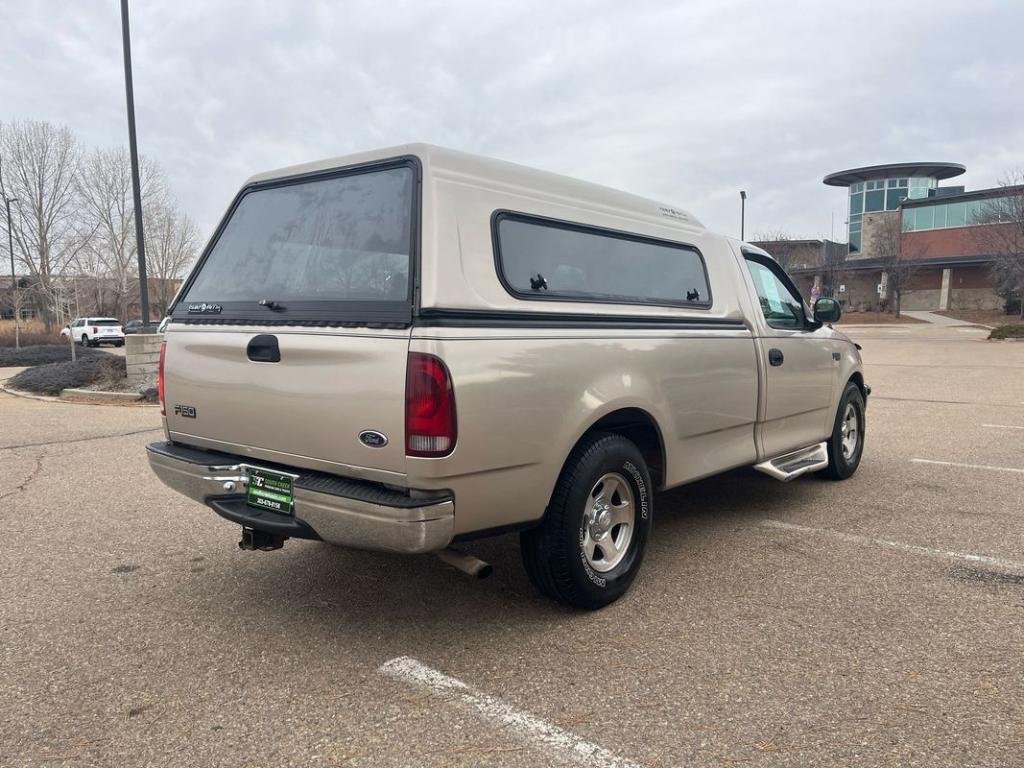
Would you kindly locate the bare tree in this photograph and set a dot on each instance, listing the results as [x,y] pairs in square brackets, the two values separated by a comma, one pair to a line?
[1004,239]
[833,261]
[900,261]
[41,163]
[172,244]
[105,187]
[778,243]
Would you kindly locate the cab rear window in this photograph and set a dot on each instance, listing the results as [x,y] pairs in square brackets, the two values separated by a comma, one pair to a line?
[545,259]
[105,322]
[338,244]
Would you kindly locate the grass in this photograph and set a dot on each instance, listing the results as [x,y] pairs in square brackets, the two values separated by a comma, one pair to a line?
[50,379]
[42,354]
[32,334]
[1008,332]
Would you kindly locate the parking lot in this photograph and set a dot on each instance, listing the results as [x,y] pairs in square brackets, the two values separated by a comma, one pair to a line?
[878,621]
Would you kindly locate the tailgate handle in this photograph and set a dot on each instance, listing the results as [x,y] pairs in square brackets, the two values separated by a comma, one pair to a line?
[264,349]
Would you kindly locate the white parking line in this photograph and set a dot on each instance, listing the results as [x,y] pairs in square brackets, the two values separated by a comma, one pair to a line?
[1002,426]
[969,466]
[544,734]
[913,549]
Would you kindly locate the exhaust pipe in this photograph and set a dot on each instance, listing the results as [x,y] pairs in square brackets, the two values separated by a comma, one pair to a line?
[468,564]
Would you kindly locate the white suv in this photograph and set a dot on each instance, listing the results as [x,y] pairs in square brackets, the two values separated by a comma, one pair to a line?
[93,331]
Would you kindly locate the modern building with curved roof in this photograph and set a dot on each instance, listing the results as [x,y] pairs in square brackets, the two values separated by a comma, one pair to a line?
[875,188]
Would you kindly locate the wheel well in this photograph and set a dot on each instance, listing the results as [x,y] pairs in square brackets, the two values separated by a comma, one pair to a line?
[638,427]
[858,379]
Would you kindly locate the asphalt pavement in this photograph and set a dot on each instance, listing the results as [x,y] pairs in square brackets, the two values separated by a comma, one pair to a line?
[877,621]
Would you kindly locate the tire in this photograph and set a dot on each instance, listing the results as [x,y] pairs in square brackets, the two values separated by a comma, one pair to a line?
[85,341]
[118,343]
[563,556]
[844,460]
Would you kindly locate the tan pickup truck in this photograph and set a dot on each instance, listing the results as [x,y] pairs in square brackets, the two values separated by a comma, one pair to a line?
[413,347]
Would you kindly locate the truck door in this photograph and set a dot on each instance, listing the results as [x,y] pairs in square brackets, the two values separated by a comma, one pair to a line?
[797,359]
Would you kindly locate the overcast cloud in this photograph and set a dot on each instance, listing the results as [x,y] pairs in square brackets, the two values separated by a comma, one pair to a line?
[686,102]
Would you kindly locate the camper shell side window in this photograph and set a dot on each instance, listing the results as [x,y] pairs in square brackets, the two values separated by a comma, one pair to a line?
[547,259]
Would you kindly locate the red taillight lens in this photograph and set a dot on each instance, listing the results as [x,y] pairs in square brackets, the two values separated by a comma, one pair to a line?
[160,378]
[95,330]
[429,407]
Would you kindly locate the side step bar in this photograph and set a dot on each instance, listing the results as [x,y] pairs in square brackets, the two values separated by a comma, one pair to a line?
[790,465]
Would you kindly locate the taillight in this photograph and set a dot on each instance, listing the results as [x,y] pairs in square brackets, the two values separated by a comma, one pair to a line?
[429,407]
[160,378]
[95,330]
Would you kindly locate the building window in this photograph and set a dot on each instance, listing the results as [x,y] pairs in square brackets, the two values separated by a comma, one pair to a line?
[857,203]
[855,242]
[893,198]
[874,200]
[967,213]
[956,214]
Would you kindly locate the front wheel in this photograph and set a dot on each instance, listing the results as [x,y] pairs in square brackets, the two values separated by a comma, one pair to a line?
[846,445]
[590,546]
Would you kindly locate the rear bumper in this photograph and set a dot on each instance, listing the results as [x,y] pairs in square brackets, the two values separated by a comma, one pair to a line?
[348,513]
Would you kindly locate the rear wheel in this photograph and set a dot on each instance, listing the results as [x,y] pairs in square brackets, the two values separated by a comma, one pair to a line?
[85,340]
[590,546]
[846,445]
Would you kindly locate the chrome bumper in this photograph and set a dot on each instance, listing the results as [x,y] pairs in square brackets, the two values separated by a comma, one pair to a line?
[409,528]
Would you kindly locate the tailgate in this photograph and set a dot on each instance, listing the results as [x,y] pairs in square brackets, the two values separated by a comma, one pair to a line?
[290,337]
[308,409]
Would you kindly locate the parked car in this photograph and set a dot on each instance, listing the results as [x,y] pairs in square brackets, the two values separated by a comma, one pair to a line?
[93,331]
[407,348]
[137,326]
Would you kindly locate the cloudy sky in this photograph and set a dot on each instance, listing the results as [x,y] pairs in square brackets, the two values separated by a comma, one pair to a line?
[687,102]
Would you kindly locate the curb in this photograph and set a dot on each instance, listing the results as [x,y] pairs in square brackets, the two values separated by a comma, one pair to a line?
[83,401]
[93,394]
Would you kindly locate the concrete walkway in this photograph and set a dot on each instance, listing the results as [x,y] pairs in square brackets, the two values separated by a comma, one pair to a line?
[934,319]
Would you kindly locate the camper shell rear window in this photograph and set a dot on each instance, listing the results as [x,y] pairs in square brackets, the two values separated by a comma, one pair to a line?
[539,258]
[336,247]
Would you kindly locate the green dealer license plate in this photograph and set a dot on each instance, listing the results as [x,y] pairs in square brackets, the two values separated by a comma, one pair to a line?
[270,490]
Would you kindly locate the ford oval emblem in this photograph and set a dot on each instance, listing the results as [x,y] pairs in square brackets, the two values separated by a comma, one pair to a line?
[373,438]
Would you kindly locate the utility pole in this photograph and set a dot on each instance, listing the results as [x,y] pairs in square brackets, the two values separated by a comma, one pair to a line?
[743,213]
[14,278]
[134,150]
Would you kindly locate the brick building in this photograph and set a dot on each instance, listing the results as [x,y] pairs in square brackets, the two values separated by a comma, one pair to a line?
[946,235]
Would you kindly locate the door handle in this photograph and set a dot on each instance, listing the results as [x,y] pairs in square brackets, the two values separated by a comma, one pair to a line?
[264,349]
[775,357]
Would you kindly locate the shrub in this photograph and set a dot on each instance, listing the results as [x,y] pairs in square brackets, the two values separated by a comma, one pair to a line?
[40,355]
[1007,332]
[51,379]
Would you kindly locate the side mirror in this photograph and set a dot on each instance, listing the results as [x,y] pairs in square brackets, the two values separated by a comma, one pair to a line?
[827,310]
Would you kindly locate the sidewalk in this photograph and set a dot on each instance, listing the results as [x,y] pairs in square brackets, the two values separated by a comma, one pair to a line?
[934,319]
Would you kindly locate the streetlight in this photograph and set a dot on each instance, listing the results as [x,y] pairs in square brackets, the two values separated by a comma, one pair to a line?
[14,279]
[743,213]
[134,151]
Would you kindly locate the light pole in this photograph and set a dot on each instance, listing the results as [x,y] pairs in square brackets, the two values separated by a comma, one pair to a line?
[743,213]
[134,151]
[14,279]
